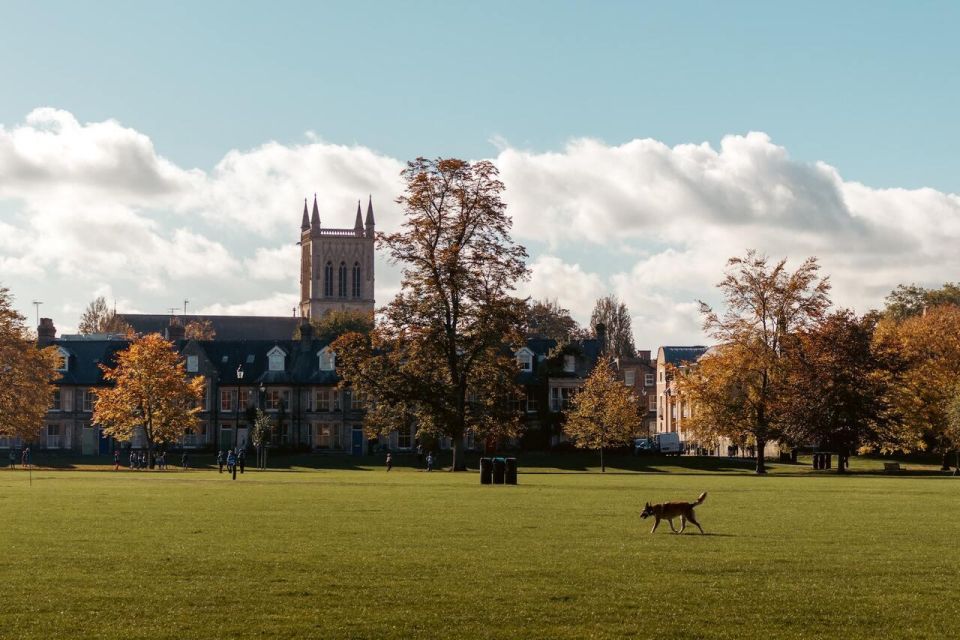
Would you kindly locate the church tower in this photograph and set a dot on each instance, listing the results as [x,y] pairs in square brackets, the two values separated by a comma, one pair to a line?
[336,265]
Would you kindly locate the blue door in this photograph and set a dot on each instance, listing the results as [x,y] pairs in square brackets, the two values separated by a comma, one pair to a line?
[106,444]
[357,448]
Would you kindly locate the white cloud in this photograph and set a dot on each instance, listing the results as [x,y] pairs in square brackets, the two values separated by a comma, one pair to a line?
[95,203]
[278,304]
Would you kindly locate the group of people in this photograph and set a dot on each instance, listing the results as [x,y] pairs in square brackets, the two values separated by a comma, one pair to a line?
[234,459]
[429,459]
[24,457]
[140,460]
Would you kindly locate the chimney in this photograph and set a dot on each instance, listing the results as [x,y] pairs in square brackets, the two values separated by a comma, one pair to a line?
[175,330]
[644,355]
[46,332]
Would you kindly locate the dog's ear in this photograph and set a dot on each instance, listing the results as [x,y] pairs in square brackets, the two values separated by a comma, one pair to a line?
[647,505]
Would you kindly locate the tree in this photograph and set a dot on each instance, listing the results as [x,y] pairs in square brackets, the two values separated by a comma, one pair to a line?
[613,314]
[199,330]
[605,413]
[547,319]
[910,300]
[835,391]
[766,306]
[150,393]
[924,356]
[953,426]
[260,436]
[438,356]
[26,372]
[336,323]
[99,318]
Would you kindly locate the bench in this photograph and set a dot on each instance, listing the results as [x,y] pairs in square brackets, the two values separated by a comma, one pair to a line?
[892,467]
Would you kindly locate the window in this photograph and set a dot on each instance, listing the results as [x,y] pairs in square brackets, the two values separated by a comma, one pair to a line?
[531,401]
[404,439]
[328,279]
[324,439]
[357,400]
[661,376]
[328,360]
[276,357]
[275,398]
[246,398]
[55,439]
[648,379]
[525,360]
[89,397]
[342,280]
[356,280]
[63,359]
[323,400]
[652,403]
[56,401]
[193,364]
[560,398]
[226,399]
[629,377]
[569,364]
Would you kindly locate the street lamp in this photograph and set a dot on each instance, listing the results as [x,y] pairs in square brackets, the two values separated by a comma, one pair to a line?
[236,427]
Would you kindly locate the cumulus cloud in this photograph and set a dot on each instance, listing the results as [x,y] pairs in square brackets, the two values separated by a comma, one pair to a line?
[654,224]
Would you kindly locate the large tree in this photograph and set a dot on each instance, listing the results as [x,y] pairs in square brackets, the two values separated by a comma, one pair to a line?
[438,359]
[924,355]
[337,322]
[26,373]
[611,312]
[909,300]
[766,306]
[151,393]
[547,319]
[99,318]
[835,388]
[605,413]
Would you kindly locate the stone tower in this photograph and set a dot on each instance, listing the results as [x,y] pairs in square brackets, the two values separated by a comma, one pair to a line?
[336,265]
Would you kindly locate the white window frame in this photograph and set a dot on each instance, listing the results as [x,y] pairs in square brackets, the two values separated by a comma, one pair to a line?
[629,377]
[648,380]
[652,403]
[327,360]
[64,360]
[193,364]
[569,363]
[524,359]
[276,359]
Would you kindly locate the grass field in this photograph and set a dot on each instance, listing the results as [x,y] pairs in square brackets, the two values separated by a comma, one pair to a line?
[359,553]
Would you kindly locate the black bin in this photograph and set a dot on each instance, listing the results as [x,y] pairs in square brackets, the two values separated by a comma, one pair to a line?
[486,471]
[511,471]
[499,470]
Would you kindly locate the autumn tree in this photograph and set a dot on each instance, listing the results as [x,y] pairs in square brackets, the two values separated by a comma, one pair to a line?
[835,391]
[924,352]
[438,358]
[338,322]
[953,426]
[605,413]
[909,300]
[611,312]
[99,318]
[547,319]
[27,373]
[766,306]
[200,329]
[150,394]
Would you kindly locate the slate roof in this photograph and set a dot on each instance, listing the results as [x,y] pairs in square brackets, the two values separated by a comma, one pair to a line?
[84,358]
[226,327]
[677,355]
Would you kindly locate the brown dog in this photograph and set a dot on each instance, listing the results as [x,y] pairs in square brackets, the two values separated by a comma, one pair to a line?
[670,510]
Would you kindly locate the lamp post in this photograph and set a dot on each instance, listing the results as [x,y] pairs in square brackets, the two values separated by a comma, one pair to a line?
[236,427]
[262,453]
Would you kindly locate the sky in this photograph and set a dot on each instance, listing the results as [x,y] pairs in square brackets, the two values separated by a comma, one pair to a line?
[157,153]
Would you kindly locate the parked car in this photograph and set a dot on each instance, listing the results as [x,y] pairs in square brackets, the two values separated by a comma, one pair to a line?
[643,445]
[668,444]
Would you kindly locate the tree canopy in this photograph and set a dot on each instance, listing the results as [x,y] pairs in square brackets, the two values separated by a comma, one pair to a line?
[150,392]
[438,358]
[611,312]
[547,319]
[26,372]
[99,318]
[909,300]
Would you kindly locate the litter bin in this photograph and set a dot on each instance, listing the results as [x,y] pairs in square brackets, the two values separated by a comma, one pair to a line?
[486,471]
[511,471]
[499,470]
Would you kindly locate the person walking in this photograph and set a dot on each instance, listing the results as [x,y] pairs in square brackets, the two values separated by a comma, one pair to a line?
[25,458]
[220,457]
[116,459]
[242,459]
[389,462]
[185,461]
[232,463]
[430,461]
[13,458]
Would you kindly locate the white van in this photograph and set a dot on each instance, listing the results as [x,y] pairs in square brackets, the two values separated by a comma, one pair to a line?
[667,443]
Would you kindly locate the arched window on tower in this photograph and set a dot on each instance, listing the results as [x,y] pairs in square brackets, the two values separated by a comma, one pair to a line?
[328,279]
[342,280]
[356,279]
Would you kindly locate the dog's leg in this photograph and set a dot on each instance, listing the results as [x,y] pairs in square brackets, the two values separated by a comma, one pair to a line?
[694,521]
[656,523]
[670,520]
[683,524]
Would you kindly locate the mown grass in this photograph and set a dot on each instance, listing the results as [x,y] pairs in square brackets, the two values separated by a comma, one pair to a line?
[359,553]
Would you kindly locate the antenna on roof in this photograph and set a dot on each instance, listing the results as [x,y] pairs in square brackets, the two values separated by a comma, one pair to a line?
[185,301]
[37,303]
[172,310]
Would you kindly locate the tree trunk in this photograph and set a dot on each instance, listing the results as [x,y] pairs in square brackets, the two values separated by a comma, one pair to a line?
[761,445]
[603,466]
[841,460]
[459,455]
[945,466]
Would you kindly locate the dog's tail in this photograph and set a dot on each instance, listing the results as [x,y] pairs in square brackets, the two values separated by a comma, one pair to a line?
[703,496]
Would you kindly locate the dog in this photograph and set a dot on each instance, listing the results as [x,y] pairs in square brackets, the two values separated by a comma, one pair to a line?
[670,510]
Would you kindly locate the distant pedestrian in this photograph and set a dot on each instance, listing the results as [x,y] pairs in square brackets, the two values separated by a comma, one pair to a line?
[116,459]
[13,457]
[132,459]
[220,458]
[185,461]
[389,461]
[25,458]
[242,459]
[232,463]
[429,462]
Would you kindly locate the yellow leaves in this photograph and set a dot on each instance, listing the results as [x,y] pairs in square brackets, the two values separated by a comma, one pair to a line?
[605,412]
[151,390]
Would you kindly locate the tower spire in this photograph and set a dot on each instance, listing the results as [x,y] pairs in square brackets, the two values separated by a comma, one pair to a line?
[315,218]
[358,225]
[305,225]
[370,223]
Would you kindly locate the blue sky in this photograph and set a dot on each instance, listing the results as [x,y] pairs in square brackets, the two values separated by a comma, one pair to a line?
[623,130]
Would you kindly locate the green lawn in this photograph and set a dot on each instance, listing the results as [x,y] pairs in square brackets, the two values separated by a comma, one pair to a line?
[359,553]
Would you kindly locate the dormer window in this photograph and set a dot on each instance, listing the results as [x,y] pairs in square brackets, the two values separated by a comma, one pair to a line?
[328,359]
[276,358]
[569,364]
[63,360]
[525,359]
[193,364]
